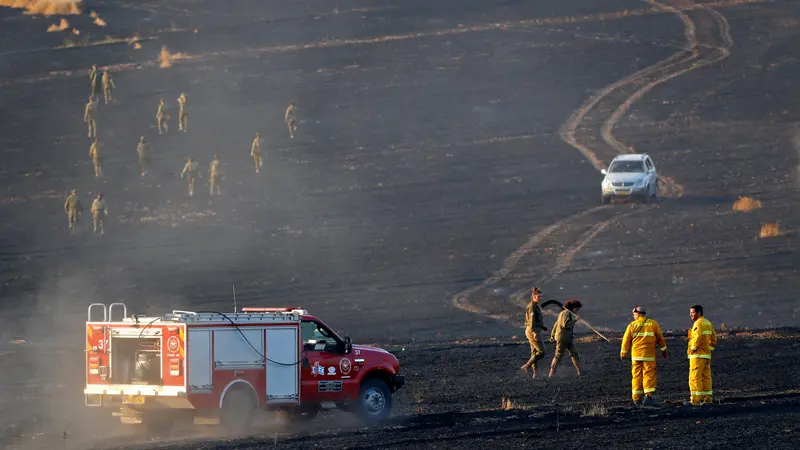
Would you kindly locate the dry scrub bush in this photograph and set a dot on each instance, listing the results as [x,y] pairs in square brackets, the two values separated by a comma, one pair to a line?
[746,204]
[595,410]
[506,404]
[769,230]
[61,26]
[45,7]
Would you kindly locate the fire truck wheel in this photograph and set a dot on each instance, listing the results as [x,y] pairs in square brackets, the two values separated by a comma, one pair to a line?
[374,401]
[237,411]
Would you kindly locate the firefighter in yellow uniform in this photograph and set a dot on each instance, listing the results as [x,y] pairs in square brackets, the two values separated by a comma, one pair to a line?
[88,117]
[702,342]
[73,207]
[192,169]
[215,175]
[534,325]
[96,154]
[641,339]
[99,214]
[108,85]
[183,116]
[563,336]
[255,152]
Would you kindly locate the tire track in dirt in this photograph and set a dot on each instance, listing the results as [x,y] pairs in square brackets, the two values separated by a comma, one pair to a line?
[713,45]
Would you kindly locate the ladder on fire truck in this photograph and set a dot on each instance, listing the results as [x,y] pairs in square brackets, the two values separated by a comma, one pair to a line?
[107,311]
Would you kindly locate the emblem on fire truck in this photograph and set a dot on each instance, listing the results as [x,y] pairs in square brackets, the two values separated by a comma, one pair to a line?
[173,344]
[316,369]
[345,366]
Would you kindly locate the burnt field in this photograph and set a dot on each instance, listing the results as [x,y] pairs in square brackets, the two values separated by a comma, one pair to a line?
[446,159]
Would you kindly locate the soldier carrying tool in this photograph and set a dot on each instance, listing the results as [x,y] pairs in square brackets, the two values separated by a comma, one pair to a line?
[74,208]
[255,152]
[563,336]
[192,169]
[94,78]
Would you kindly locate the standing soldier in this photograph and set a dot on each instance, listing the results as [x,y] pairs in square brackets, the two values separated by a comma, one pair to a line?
[73,207]
[183,116]
[88,117]
[108,85]
[96,153]
[144,150]
[162,117]
[563,336]
[291,117]
[215,175]
[534,325]
[255,152]
[94,78]
[192,169]
[702,342]
[641,338]
[99,214]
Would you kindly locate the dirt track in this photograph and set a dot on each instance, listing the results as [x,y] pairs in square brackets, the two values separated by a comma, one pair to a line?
[445,161]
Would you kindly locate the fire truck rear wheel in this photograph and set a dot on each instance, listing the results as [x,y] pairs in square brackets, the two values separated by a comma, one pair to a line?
[374,401]
[237,411]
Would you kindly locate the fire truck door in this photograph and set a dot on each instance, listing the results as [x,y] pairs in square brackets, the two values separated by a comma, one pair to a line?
[322,377]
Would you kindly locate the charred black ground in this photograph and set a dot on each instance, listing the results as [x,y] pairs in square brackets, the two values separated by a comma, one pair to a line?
[415,203]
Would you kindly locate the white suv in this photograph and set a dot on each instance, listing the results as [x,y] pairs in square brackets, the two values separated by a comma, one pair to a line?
[631,177]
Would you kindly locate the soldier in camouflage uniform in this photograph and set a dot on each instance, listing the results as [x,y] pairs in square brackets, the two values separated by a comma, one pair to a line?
[94,78]
[145,151]
[291,118]
[96,153]
[88,117]
[534,325]
[162,117]
[215,175]
[192,169]
[255,152]
[99,214]
[563,336]
[73,207]
[108,85]
[183,116]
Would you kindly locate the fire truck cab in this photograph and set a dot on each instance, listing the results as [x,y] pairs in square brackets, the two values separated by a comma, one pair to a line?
[218,368]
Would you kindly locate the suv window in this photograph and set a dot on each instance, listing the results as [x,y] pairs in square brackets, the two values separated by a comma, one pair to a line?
[648,164]
[626,166]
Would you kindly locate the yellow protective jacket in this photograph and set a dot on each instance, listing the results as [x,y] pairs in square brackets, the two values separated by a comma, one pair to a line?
[641,338]
[702,339]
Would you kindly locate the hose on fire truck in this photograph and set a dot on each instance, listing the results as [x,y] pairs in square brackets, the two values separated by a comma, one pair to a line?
[264,357]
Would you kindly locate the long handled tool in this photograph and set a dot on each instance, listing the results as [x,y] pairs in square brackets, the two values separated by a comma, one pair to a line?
[556,302]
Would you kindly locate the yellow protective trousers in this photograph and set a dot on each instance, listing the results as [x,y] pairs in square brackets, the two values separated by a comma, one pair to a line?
[700,380]
[643,379]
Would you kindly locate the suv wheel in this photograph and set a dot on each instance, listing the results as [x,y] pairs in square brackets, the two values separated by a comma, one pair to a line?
[374,401]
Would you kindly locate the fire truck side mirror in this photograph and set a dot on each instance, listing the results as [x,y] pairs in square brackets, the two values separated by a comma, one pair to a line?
[348,345]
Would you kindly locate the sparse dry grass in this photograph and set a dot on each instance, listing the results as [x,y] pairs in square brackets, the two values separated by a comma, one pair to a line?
[45,7]
[595,410]
[746,204]
[60,26]
[769,230]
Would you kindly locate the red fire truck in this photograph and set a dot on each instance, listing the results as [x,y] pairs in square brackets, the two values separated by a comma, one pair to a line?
[218,368]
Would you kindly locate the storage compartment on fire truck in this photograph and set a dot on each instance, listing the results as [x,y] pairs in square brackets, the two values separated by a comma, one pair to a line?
[135,360]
